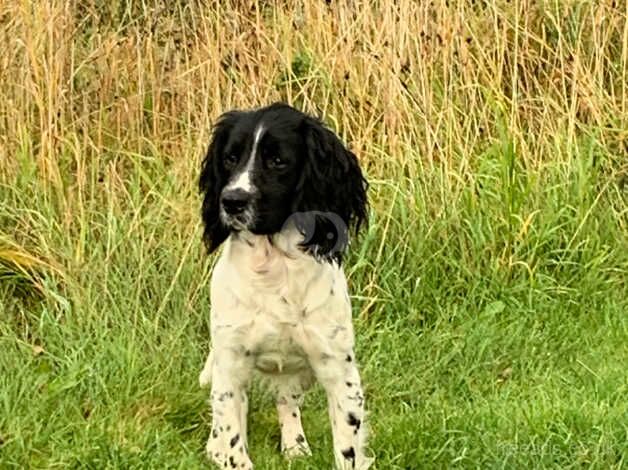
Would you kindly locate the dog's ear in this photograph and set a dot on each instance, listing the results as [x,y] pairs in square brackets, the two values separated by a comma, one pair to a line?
[212,180]
[331,195]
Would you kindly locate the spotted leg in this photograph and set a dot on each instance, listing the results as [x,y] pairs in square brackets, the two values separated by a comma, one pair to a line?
[341,380]
[227,445]
[290,390]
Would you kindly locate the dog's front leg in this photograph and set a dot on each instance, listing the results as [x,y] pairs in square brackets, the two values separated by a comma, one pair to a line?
[227,444]
[341,380]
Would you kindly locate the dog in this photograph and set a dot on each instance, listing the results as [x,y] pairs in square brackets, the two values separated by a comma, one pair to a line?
[282,193]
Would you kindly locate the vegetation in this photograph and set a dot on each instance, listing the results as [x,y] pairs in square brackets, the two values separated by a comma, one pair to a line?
[490,289]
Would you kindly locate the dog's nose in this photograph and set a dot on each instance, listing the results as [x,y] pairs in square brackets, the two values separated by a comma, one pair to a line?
[235,201]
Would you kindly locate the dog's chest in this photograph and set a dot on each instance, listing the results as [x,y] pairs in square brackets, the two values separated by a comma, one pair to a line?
[274,300]
[274,333]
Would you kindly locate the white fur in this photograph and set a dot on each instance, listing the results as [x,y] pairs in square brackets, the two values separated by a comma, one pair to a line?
[283,313]
[243,180]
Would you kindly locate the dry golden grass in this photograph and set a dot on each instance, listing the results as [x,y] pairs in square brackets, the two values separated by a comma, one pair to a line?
[417,81]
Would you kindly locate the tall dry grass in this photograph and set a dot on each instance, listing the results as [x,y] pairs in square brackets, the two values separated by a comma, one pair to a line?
[96,78]
[93,92]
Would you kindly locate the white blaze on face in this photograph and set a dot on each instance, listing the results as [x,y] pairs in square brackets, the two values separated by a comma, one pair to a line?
[243,180]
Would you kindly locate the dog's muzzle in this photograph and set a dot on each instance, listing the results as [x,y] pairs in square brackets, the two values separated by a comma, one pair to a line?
[236,205]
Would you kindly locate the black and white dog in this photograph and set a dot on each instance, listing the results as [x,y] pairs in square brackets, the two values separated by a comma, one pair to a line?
[282,192]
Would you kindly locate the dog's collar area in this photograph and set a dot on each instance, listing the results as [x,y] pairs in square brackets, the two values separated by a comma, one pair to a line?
[287,242]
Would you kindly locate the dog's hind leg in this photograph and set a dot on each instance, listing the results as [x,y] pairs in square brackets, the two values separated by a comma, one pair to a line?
[290,389]
[205,378]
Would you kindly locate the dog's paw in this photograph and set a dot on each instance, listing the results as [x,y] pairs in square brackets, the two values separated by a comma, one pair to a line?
[361,463]
[296,451]
[232,458]
[364,463]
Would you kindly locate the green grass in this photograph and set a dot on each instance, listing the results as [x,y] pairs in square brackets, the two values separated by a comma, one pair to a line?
[490,289]
[478,347]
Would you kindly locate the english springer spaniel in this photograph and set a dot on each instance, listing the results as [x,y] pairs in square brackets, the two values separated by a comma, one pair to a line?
[282,193]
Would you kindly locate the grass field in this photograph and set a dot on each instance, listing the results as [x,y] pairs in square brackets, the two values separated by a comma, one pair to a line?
[490,289]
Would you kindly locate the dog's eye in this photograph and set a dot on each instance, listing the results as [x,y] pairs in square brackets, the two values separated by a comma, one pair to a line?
[230,159]
[276,162]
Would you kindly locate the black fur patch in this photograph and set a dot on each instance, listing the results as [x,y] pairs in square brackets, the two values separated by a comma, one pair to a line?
[353,421]
[301,168]
[349,454]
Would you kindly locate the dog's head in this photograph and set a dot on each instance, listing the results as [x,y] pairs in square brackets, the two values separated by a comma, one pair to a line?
[274,165]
